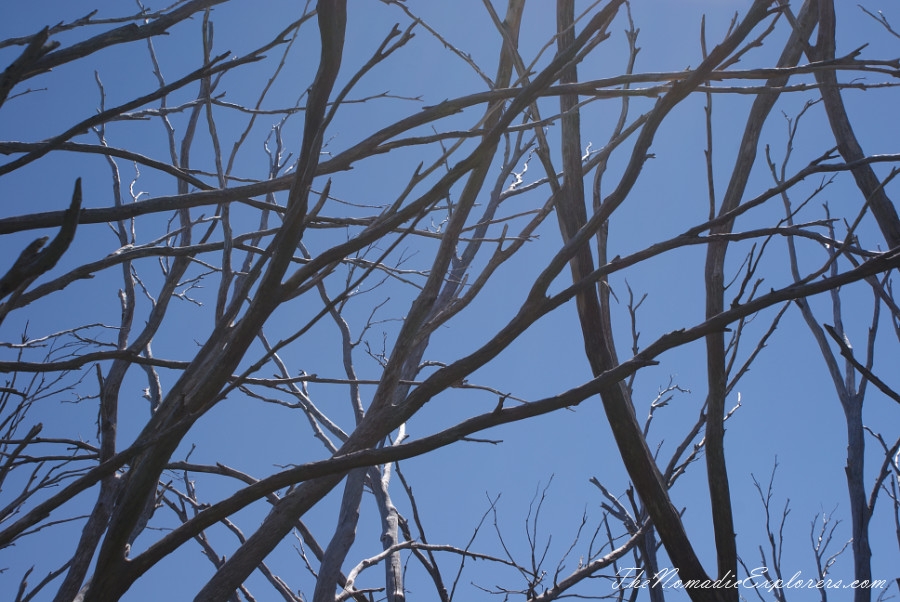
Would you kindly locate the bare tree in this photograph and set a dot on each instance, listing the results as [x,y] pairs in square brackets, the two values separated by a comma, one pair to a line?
[349,227]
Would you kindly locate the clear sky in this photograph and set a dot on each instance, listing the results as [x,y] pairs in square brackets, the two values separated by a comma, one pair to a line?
[789,409]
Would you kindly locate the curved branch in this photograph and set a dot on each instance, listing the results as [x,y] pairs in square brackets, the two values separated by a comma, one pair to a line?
[33,262]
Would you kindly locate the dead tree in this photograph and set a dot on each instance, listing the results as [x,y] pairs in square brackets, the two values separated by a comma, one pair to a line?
[370,222]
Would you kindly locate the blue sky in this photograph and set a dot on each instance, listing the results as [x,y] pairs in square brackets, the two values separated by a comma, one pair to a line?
[789,409]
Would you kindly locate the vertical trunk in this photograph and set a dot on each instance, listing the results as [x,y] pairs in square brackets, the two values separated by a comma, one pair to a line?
[717,378]
[390,535]
[638,459]
[886,216]
[343,537]
[859,506]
